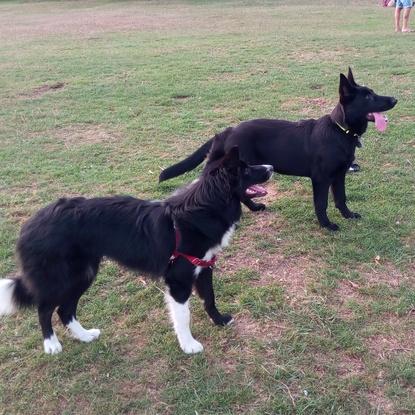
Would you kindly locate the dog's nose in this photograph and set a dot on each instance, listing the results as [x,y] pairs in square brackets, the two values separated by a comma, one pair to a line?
[394,101]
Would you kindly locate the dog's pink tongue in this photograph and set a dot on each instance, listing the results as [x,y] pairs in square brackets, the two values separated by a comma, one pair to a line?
[381,122]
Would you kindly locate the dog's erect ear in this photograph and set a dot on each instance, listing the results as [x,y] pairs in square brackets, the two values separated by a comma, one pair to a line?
[217,150]
[350,77]
[231,158]
[229,161]
[346,90]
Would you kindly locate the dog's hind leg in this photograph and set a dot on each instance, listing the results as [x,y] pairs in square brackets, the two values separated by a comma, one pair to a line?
[320,195]
[51,343]
[177,299]
[67,314]
[339,195]
[204,288]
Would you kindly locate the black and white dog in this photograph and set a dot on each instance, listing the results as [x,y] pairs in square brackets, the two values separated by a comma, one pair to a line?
[60,248]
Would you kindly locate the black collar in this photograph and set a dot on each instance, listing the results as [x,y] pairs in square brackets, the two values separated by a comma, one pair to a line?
[338,113]
[350,133]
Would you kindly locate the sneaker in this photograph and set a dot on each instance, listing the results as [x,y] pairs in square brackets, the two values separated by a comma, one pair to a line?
[354,167]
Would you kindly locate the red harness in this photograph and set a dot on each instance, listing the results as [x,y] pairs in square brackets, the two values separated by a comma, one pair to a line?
[197,262]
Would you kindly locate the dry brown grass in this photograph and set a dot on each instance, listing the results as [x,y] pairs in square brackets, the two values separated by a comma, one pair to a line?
[89,21]
[84,134]
[387,274]
[309,106]
[380,402]
[371,275]
[331,55]
[248,328]
[397,336]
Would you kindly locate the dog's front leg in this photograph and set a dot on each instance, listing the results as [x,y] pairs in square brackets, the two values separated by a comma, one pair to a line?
[177,298]
[339,194]
[204,288]
[251,205]
[320,194]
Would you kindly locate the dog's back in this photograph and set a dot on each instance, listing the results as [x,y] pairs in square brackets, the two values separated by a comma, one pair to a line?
[80,231]
[283,144]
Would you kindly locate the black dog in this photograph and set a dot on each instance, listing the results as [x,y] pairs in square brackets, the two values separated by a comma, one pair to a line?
[61,247]
[321,149]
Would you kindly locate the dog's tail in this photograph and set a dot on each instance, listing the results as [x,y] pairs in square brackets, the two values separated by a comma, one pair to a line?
[13,295]
[187,164]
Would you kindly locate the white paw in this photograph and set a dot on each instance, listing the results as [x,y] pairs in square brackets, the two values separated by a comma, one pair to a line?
[192,346]
[81,334]
[231,321]
[52,345]
[87,336]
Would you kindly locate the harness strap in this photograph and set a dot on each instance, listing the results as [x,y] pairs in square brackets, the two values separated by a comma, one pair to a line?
[197,262]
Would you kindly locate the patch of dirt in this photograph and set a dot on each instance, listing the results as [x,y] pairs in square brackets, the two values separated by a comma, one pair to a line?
[89,21]
[292,273]
[243,338]
[386,274]
[20,212]
[345,292]
[83,134]
[309,106]
[349,366]
[43,89]
[385,346]
[345,365]
[275,192]
[147,383]
[249,328]
[398,337]
[378,400]
[372,275]
[407,118]
[316,86]
[318,55]
[19,216]
[181,96]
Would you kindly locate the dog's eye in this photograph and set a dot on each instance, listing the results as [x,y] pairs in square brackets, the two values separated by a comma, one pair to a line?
[369,96]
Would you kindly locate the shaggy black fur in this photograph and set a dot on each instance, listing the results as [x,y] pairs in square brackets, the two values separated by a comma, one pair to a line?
[60,248]
[319,149]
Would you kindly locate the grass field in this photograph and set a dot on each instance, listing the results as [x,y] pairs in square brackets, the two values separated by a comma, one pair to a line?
[96,97]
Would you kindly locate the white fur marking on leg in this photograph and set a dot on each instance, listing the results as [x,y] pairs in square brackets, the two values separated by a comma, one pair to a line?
[180,315]
[52,345]
[78,332]
[7,305]
[226,238]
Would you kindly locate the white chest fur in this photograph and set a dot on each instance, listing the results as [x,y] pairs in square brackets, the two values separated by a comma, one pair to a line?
[226,238]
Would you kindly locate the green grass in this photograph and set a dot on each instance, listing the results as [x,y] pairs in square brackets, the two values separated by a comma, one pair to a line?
[324,322]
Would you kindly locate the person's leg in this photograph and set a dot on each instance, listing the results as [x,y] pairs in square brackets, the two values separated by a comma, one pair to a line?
[405,19]
[397,19]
